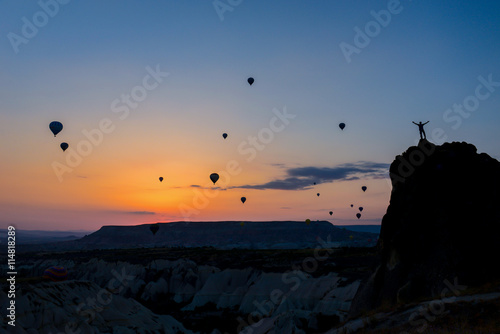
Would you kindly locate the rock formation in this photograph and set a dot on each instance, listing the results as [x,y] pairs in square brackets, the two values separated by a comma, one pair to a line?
[441,232]
[164,296]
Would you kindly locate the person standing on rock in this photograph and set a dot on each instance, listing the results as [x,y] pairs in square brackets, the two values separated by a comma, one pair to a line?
[421,129]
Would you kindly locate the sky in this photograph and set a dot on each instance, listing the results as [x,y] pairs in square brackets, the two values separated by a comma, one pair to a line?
[147,88]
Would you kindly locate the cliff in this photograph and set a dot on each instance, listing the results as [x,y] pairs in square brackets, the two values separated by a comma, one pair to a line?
[442,227]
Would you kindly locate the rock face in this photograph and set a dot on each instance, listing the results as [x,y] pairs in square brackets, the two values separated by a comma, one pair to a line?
[83,307]
[442,227]
[120,297]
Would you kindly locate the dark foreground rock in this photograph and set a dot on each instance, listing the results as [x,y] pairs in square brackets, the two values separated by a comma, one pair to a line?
[441,231]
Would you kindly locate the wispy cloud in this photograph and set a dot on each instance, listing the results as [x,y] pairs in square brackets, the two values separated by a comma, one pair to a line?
[209,188]
[279,165]
[141,213]
[133,212]
[304,177]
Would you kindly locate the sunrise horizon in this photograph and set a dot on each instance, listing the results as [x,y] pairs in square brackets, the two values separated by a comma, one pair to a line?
[311,100]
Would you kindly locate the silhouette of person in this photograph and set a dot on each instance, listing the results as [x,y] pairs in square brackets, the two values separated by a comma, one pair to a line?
[421,129]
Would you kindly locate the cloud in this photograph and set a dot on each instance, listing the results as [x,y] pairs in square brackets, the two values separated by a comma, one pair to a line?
[136,212]
[279,165]
[208,187]
[300,178]
[124,212]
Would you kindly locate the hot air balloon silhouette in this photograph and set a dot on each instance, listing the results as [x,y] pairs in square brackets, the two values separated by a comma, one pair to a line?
[55,127]
[154,228]
[161,178]
[358,215]
[314,183]
[360,209]
[243,200]
[352,205]
[250,81]
[308,221]
[342,126]
[331,213]
[224,135]
[317,194]
[363,188]
[214,177]
[56,274]
[64,146]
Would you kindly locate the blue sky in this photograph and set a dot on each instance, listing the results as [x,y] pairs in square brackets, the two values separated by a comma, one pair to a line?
[428,57]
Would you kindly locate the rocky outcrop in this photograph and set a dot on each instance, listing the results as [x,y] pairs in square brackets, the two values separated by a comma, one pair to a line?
[83,307]
[442,227]
[432,316]
[124,295]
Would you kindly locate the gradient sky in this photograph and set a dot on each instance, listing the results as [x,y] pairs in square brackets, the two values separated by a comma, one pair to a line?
[87,55]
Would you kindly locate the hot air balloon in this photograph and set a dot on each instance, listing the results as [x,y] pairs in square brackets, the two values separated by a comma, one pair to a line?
[360,209]
[55,127]
[358,215]
[308,221]
[352,205]
[314,183]
[243,200]
[331,213]
[55,274]
[64,146]
[161,178]
[342,126]
[214,177]
[154,228]
[224,135]
[364,188]
[317,194]
[250,80]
